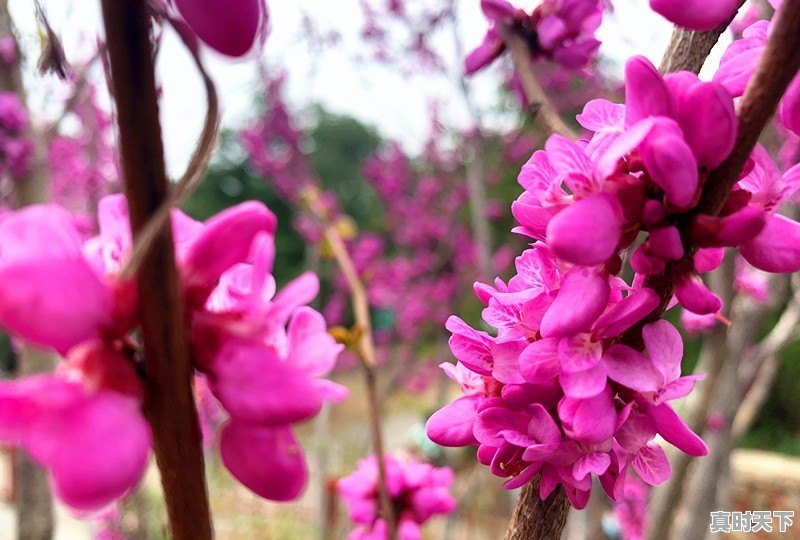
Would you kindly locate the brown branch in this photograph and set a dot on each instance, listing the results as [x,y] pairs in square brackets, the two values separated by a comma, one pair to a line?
[365,347]
[688,49]
[777,67]
[169,404]
[194,170]
[539,105]
[535,519]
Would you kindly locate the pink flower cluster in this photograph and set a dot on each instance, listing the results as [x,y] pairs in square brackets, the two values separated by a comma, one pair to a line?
[16,149]
[263,353]
[418,491]
[555,391]
[557,30]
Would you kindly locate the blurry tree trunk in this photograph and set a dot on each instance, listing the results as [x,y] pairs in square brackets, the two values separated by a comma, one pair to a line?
[713,354]
[702,487]
[476,166]
[169,402]
[33,501]
[476,188]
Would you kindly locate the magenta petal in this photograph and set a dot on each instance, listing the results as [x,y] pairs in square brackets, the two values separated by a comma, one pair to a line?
[298,292]
[452,424]
[54,303]
[588,231]
[789,110]
[646,93]
[651,464]
[680,387]
[693,295]
[579,352]
[257,387]
[708,259]
[506,361]
[589,420]
[671,164]
[665,242]
[470,347]
[708,121]
[665,348]
[596,463]
[103,448]
[581,299]
[542,428]
[689,14]
[627,312]
[484,54]
[492,421]
[776,248]
[731,230]
[311,348]
[675,431]
[584,384]
[229,26]
[268,461]
[631,368]
[539,361]
[601,114]
[226,240]
[498,10]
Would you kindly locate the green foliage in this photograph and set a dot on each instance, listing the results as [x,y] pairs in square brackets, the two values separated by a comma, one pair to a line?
[230,181]
[338,146]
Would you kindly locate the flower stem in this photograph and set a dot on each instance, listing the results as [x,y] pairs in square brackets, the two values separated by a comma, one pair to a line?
[169,403]
[365,349]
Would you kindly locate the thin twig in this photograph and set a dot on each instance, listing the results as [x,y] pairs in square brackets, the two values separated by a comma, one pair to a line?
[194,170]
[539,105]
[365,347]
[169,403]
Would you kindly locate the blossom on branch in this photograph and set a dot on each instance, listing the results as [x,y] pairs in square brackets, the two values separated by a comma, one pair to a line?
[264,354]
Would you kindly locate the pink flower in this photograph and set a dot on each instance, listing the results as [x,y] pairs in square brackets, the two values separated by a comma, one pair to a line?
[561,31]
[264,354]
[230,27]
[93,441]
[418,491]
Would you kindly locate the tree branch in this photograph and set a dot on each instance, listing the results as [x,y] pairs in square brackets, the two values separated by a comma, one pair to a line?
[539,105]
[536,519]
[365,347]
[688,49]
[778,65]
[169,403]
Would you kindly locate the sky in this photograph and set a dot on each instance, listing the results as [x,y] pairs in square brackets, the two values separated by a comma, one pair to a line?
[338,77]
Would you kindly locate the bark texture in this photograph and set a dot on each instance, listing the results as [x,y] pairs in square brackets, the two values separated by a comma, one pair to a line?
[169,402]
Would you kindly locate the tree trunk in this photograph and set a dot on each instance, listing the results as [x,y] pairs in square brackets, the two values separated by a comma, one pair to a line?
[535,519]
[34,503]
